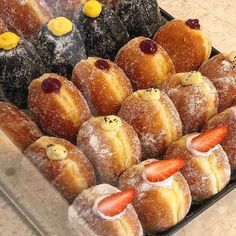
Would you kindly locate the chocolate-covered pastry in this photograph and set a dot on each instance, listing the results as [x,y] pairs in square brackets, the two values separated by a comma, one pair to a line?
[60,46]
[102,31]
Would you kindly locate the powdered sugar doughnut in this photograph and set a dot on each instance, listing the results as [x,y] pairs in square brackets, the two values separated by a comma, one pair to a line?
[3,27]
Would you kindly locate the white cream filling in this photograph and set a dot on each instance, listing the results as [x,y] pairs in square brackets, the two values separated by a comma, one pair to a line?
[167,183]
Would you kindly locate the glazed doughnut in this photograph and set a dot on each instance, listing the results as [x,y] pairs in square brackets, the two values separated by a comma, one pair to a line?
[155,119]
[103,84]
[87,219]
[55,43]
[185,43]
[145,63]
[3,27]
[228,118]
[207,168]
[63,109]
[63,164]
[221,70]
[25,17]
[17,126]
[195,98]
[111,145]
[160,204]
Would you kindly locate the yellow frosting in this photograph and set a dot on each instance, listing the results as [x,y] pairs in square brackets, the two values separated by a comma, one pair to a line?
[56,152]
[232,57]
[92,8]
[191,78]
[150,94]
[60,26]
[9,40]
[111,123]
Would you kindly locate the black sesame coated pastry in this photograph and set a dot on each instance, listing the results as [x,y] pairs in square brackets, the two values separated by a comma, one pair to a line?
[140,17]
[19,65]
[60,46]
[101,29]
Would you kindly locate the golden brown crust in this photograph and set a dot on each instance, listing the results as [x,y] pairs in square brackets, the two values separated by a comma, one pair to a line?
[187,48]
[222,73]
[84,220]
[103,90]
[157,123]
[227,117]
[110,154]
[206,176]
[25,17]
[17,126]
[195,103]
[60,114]
[144,70]
[71,175]
[158,208]
[3,27]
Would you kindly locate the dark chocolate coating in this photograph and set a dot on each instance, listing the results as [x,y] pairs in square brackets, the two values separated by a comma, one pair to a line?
[104,35]
[18,67]
[140,17]
[60,54]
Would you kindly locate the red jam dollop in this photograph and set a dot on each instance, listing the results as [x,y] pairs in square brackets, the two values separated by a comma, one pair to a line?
[193,24]
[148,46]
[102,64]
[51,85]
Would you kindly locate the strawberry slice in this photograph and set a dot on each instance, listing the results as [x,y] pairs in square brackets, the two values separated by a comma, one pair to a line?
[160,170]
[209,139]
[116,203]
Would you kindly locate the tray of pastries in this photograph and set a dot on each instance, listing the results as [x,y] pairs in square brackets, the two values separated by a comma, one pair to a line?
[115,118]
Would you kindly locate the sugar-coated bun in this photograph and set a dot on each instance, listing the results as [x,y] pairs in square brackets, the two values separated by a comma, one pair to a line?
[185,43]
[86,222]
[57,106]
[3,27]
[221,70]
[227,117]
[206,173]
[158,207]
[103,84]
[25,17]
[63,164]
[145,63]
[109,3]
[111,145]
[155,119]
[17,126]
[195,98]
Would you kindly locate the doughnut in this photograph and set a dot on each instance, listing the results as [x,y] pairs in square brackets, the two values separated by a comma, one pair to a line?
[3,27]
[25,17]
[18,126]
[56,42]
[63,164]
[155,119]
[101,29]
[185,42]
[228,118]
[195,98]
[103,210]
[221,70]
[145,63]
[207,168]
[103,84]
[109,3]
[63,109]
[111,145]
[19,65]
[163,196]
[140,17]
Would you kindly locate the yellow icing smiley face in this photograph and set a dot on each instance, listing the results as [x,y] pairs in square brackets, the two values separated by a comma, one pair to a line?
[8,41]
[92,8]
[150,94]
[191,78]
[56,152]
[111,123]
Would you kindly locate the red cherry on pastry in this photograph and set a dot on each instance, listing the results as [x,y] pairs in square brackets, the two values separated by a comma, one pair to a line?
[148,46]
[102,64]
[116,203]
[193,24]
[51,85]
[160,170]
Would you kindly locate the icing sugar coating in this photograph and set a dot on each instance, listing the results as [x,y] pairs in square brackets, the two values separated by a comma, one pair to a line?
[3,27]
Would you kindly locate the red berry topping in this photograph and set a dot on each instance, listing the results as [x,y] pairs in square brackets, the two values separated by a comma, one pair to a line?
[102,64]
[193,24]
[148,46]
[51,85]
